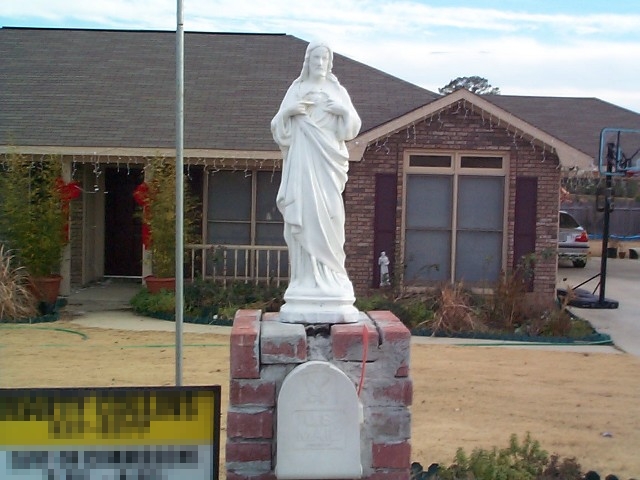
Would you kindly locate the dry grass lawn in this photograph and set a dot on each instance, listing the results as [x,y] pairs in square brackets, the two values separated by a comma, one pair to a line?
[463,396]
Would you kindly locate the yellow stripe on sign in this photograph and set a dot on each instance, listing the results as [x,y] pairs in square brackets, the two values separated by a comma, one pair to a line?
[184,421]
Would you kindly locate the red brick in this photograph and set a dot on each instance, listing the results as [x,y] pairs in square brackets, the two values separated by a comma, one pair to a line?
[347,341]
[399,392]
[391,328]
[250,425]
[243,451]
[390,424]
[253,392]
[235,475]
[404,474]
[270,316]
[391,455]
[245,351]
[395,336]
[286,352]
[282,343]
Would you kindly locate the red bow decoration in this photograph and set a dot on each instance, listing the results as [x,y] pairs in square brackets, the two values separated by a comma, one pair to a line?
[68,191]
[141,197]
[141,194]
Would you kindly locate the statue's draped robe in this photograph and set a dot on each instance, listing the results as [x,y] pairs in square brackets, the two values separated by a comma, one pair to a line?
[314,174]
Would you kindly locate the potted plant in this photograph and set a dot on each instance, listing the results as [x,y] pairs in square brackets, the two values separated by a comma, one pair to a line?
[158,199]
[34,212]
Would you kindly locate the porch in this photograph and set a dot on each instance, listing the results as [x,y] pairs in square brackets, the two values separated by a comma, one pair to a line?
[232,263]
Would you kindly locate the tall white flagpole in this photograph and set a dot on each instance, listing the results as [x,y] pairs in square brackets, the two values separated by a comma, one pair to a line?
[179,189]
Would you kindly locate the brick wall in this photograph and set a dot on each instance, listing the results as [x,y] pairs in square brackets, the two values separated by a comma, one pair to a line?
[264,351]
[452,129]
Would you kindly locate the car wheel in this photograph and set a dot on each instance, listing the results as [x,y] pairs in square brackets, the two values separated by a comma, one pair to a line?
[579,263]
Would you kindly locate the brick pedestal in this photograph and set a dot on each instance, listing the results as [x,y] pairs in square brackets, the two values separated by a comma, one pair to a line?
[264,351]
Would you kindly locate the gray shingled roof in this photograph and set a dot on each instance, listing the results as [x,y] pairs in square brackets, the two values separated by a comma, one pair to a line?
[79,88]
[576,121]
[114,88]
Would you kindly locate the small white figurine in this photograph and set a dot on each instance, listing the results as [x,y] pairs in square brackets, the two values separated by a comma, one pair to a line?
[383,261]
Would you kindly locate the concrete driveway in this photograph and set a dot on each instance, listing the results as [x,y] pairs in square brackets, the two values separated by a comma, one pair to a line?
[622,284]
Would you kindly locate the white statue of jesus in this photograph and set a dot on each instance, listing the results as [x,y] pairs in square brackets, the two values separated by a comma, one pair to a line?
[315,119]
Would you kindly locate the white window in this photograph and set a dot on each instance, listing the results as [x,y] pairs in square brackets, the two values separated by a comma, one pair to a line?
[454,217]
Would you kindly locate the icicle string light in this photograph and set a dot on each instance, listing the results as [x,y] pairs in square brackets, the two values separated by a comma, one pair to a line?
[409,134]
[516,134]
[74,167]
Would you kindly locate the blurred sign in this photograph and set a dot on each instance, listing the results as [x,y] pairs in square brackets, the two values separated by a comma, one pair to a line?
[160,433]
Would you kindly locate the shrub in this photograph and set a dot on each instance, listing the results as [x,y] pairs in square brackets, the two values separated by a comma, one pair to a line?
[449,311]
[16,300]
[412,310]
[213,300]
[505,307]
[203,296]
[454,312]
[518,461]
[32,211]
[161,304]
[565,469]
[159,215]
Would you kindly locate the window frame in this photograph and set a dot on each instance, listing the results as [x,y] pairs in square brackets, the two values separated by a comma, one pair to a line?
[455,171]
[253,221]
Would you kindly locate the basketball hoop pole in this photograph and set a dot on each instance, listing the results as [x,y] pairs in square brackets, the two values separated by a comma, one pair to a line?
[611,158]
[616,164]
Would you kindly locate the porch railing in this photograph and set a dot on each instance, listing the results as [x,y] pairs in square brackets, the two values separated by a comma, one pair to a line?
[227,263]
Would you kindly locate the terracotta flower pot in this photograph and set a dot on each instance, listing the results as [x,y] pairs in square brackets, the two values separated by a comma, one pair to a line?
[46,289]
[156,284]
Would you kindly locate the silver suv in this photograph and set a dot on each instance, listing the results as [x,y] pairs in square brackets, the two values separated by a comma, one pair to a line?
[573,241]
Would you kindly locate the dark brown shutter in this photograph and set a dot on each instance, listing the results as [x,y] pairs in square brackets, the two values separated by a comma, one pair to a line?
[384,226]
[524,235]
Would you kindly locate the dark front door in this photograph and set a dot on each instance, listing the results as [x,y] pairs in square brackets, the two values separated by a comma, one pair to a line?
[123,228]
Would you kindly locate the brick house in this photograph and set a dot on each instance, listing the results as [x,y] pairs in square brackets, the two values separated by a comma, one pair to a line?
[453,188]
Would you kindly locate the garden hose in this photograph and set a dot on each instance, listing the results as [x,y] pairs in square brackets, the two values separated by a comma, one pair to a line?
[86,337]
[57,329]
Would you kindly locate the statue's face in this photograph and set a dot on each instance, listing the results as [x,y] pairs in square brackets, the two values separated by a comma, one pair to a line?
[319,62]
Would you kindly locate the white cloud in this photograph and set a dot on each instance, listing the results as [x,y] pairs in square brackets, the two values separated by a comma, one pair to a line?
[521,52]
[383,17]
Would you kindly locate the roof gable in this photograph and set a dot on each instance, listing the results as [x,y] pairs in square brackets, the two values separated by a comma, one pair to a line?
[574,134]
[464,100]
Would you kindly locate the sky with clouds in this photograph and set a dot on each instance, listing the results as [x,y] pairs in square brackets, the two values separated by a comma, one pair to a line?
[582,48]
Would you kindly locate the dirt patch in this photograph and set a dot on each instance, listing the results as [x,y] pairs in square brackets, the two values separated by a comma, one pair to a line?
[463,396]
